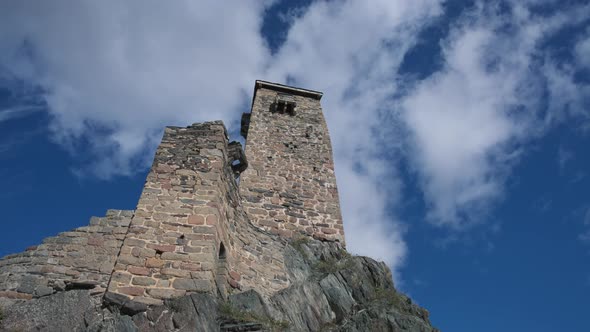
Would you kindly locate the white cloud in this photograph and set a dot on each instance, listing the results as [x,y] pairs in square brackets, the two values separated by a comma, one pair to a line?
[567,98]
[461,126]
[583,50]
[468,122]
[16,112]
[116,72]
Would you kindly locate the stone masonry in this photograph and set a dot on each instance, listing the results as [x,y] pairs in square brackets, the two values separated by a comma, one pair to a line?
[290,186]
[211,218]
[81,258]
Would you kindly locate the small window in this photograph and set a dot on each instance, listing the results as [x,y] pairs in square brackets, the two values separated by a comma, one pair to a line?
[237,158]
[284,103]
[222,253]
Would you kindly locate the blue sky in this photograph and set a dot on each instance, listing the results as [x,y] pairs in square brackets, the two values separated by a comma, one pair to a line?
[460,129]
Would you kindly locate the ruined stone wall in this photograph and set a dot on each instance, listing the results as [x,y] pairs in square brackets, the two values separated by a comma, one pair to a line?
[175,235]
[189,233]
[258,257]
[81,258]
[290,186]
[195,229]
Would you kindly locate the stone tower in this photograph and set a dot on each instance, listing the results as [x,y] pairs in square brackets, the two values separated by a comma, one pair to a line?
[210,218]
[290,186]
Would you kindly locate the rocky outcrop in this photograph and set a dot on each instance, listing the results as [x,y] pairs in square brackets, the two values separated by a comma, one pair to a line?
[331,291]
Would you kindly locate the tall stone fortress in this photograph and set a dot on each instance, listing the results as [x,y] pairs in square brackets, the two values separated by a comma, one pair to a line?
[221,239]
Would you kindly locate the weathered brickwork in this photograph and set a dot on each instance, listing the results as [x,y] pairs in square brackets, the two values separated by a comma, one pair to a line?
[290,186]
[211,218]
[81,258]
[175,236]
[189,233]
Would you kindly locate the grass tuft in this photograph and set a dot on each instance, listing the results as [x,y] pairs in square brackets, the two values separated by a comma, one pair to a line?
[334,265]
[297,242]
[391,297]
[230,312]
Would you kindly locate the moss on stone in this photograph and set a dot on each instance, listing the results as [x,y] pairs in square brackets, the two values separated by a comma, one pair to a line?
[228,311]
[391,297]
[329,326]
[298,242]
[333,265]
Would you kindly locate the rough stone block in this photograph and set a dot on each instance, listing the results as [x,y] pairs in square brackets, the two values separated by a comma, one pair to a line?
[148,300]
[235,275]
[165,293]
[192,285]
[164,283]
[196,220]
[191,249]
[154,262]
[190,267]
[142,271]
[175,256]
[134,242]
[143,281]
[131,260]
[200,258]
[95,241]
[133,291]
[141,252]
[175,273]
[43,291]
[212,220]
[162,247]
[121,277]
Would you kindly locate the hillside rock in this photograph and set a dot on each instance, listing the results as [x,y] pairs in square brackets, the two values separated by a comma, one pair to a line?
[331,291]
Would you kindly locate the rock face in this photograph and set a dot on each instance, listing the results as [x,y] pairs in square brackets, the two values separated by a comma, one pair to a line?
[330,291]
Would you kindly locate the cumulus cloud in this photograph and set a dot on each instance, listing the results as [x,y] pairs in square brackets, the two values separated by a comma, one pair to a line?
[113,73]
[468,122]
[460,123]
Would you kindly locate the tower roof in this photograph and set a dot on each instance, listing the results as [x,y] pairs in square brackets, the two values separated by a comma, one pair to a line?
[287,89]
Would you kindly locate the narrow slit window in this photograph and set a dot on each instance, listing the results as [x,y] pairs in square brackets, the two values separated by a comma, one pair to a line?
[222,253]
